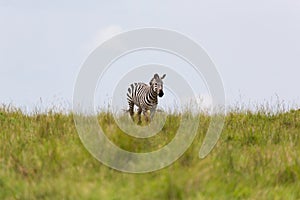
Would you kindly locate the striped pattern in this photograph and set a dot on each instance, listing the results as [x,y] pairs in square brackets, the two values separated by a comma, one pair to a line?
[145,97]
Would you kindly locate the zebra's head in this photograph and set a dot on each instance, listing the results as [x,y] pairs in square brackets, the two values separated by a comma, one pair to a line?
[157,84]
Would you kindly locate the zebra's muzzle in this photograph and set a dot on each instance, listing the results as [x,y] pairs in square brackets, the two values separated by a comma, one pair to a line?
[161,93]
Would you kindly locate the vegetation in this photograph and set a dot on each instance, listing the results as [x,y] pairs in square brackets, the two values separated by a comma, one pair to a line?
[257,157]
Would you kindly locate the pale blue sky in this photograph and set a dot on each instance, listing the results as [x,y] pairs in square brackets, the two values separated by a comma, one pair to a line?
[254,44]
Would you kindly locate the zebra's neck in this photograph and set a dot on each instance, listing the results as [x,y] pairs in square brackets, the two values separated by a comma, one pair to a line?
[152,94]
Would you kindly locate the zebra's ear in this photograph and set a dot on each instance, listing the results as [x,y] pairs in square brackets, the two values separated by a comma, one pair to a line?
[163,76]
[156,76]
[150,83]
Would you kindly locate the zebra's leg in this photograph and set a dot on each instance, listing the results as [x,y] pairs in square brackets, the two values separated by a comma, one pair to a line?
[139,115]
[146,115]
[152,112]
[131,110]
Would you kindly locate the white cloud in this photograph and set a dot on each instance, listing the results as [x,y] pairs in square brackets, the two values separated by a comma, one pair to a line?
[107,33]
[102,35]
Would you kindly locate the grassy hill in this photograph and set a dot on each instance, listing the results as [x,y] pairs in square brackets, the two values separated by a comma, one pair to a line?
[257,157]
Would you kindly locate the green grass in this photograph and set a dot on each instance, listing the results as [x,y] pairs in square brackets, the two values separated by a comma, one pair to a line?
[257,157]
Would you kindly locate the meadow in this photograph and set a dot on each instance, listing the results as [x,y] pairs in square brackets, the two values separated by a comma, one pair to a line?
[257,157]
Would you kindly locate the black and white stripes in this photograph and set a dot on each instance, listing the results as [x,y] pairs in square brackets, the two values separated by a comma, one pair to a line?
[145,97]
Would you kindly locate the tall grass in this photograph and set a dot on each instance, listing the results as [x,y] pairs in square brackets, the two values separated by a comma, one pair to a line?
[257,157]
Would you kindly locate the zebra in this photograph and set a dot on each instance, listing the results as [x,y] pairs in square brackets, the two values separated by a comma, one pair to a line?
[145,97]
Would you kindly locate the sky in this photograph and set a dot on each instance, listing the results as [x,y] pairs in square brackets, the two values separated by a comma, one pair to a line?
[255,45]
